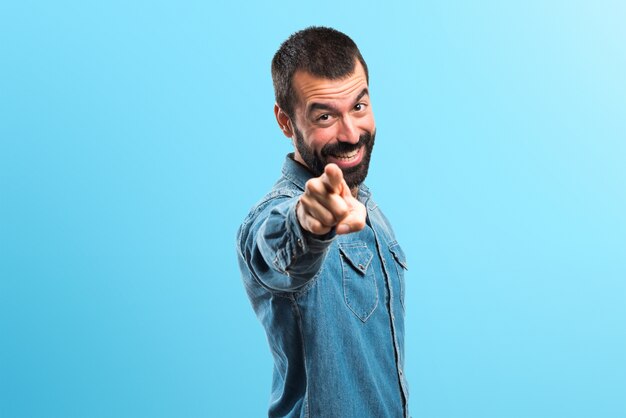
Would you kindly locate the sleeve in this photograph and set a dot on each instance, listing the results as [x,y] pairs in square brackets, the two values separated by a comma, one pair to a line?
[278,252]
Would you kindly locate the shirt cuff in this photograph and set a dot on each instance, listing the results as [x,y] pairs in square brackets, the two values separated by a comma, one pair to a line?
[307,241]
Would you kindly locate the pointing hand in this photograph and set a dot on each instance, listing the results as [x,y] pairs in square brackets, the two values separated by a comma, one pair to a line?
[327,202]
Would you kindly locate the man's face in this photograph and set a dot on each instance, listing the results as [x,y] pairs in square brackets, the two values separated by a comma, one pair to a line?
[333,123]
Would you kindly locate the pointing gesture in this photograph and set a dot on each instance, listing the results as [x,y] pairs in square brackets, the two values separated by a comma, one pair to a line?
[327,203]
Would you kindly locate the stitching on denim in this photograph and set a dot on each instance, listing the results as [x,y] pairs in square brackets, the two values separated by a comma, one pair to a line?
[295,306]
[369,275]
[345,247]
[400,268]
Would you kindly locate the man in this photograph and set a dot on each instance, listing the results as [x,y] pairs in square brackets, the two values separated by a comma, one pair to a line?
[319,260]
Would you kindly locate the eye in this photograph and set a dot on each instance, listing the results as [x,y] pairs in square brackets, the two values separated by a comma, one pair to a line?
[359,106]
[324,117]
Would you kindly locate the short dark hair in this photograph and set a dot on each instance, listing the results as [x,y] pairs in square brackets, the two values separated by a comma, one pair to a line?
[320,51]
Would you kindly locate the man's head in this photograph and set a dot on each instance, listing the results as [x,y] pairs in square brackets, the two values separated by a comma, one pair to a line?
[322,101]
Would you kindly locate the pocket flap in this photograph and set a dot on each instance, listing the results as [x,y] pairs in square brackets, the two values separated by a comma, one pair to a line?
[398,254]
[357,254]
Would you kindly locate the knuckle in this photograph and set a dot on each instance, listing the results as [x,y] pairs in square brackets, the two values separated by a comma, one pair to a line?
[313,186]
[316,227]
[328,219]
[359,224]
[304,201]
[341,212]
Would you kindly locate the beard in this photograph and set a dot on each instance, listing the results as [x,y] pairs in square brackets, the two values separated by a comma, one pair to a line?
[354,176]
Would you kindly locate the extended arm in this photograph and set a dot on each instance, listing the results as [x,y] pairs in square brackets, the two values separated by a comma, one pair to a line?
[286,242]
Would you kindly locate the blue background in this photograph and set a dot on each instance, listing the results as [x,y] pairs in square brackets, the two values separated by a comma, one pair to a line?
[135,136]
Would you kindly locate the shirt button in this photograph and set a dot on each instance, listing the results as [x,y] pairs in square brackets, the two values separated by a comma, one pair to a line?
[300,243]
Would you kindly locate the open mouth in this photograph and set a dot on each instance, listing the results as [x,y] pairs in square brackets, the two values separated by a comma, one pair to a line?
[346,156]
[346,159]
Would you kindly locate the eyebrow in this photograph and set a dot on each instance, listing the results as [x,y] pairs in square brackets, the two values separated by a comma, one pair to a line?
[364,92]
[322,106]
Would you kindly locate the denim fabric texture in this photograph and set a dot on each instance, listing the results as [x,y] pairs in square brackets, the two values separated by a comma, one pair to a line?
[332,307]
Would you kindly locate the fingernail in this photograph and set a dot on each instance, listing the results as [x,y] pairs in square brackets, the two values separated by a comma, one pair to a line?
[343,229]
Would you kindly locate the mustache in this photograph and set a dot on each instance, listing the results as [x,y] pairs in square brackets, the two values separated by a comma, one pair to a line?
[346,147]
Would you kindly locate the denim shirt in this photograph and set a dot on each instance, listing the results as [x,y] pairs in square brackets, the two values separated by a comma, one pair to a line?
[332,307]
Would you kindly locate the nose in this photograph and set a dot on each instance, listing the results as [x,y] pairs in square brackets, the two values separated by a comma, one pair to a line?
[348,131]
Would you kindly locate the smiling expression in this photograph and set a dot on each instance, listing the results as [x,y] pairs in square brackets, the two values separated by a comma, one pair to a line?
[332,123]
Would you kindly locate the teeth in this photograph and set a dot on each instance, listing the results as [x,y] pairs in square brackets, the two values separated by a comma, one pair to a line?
[347,155]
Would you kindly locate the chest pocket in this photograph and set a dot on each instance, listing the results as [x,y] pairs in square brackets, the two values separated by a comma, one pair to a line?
[359,282]
[401,266]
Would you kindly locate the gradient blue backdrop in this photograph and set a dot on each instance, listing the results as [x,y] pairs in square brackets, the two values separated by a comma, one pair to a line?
[134,137]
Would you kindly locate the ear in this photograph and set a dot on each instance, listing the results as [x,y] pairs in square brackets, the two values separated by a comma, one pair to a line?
[284,122]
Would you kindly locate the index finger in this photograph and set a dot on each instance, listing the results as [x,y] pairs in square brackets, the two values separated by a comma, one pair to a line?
[333,178]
